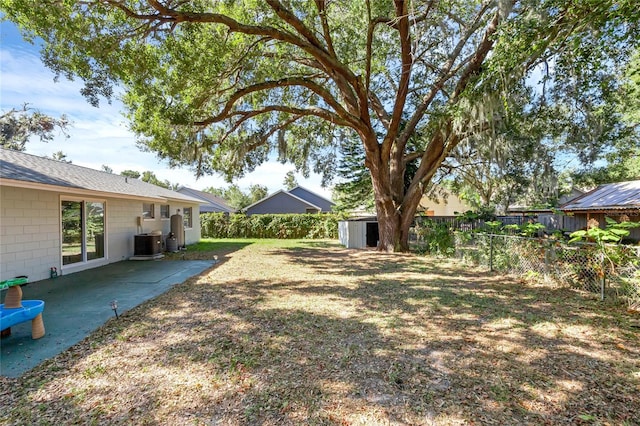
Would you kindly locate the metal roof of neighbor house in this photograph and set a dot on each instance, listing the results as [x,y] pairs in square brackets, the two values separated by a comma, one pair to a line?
[564,200]
[27,170]
[212,203]
[613,196]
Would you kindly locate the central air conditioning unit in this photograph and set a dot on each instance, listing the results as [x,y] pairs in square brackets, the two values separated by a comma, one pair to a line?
[147,244]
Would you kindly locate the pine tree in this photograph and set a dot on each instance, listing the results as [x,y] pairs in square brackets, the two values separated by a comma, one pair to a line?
[354,190]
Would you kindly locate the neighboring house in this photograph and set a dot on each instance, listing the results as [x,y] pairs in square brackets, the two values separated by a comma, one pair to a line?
[209,203]
[616,200]
[447,204]
[575,193]
[297,200]
[60,215]
[549,217]
[313,198]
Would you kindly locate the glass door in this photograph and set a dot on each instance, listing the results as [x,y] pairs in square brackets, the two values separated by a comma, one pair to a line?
[71,232]
[83,231]
[95,230]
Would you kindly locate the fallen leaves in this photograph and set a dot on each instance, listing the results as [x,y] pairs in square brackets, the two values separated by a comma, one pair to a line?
[297,333]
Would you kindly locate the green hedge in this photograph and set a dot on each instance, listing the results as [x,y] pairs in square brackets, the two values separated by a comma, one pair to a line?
[283,226]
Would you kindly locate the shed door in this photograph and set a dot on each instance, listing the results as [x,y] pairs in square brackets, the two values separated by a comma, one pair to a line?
[372,234]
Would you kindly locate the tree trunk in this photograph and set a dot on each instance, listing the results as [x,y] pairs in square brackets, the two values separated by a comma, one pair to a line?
[394,225]
[394,218]
[388,227]
[409,208]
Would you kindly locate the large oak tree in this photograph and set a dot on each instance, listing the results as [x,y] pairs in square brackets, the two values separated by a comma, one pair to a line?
[218,85]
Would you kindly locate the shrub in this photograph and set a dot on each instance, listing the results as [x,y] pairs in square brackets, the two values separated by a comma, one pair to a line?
[282,226]
[435,238]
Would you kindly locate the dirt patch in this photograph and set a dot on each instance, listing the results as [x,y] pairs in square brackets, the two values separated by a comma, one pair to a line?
[309,333]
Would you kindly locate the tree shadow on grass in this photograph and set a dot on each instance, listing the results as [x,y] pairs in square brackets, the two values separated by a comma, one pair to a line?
[555,333]
[392,338]
[479,358]
[207,249]
[319,244]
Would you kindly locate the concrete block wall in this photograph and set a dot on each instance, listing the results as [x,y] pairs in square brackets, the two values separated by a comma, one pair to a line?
[29,233]
[122,225]
[192,235]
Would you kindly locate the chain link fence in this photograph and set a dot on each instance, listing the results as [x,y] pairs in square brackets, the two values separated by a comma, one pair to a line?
[612,271]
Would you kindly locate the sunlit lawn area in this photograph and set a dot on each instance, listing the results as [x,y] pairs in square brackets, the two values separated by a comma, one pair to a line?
[306,332]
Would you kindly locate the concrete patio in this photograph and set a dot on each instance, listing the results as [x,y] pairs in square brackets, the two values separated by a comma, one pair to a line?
[77,304]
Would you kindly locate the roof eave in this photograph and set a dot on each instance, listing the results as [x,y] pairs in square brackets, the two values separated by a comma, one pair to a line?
[83,191]
[314,193]
[603,209]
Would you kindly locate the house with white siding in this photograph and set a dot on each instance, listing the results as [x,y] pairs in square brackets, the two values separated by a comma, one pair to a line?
[59,215]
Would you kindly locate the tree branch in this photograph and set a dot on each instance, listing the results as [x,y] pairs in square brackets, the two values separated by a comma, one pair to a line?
[263,139]
[413,156]
[446,70]
[246,115]
[321,5]
[376,104]
[340,113]
[405,77]
[475,63]
[341,74]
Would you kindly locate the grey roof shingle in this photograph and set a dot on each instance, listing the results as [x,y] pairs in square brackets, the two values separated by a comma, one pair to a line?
[313,198]
[211,203]
[613,196]
[23,167]
[281,193]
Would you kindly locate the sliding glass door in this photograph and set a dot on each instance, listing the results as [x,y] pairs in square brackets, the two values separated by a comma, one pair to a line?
[72,232]
[83,230]
[95,230]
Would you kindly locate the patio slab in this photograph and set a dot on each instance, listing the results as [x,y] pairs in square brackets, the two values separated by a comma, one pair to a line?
[79,303]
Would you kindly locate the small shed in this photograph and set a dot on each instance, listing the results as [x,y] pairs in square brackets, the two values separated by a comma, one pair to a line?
[359,233]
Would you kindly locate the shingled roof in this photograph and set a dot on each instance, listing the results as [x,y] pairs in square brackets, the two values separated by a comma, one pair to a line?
[25,170]
[209,203]
[613,196]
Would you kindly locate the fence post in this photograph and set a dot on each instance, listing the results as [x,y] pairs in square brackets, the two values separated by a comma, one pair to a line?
[491,252]
[545,247]
[602,277]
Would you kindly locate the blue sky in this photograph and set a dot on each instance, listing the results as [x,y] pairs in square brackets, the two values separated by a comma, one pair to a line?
[100,136]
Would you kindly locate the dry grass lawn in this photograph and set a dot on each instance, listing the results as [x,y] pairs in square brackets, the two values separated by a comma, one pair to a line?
[299,332]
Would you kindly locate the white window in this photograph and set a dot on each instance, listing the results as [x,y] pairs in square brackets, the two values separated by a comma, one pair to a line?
[148,211]
[164,211]
[187,217]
